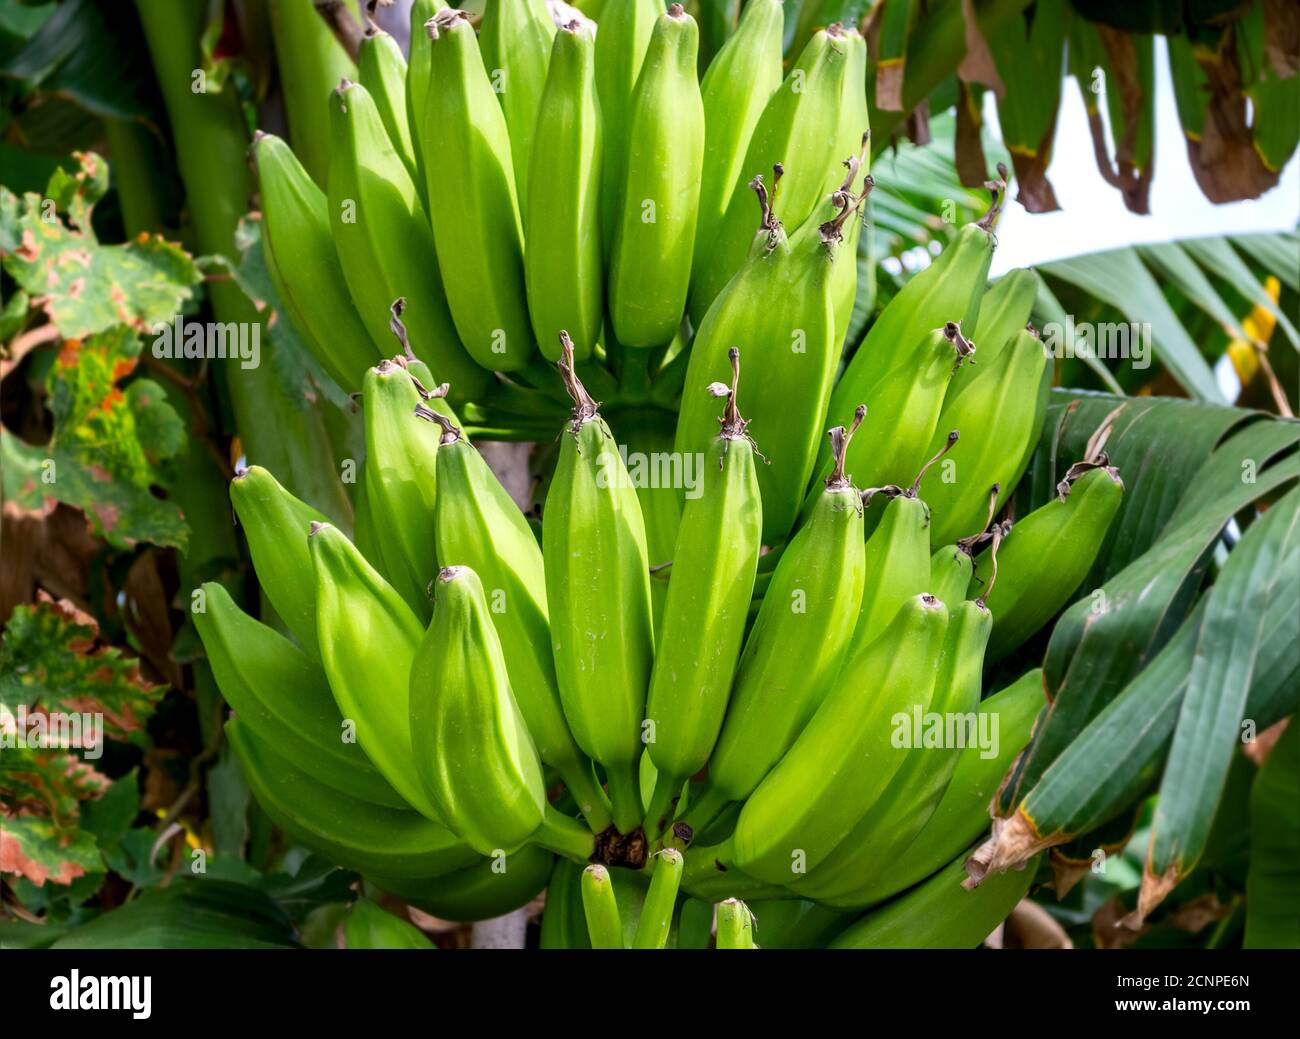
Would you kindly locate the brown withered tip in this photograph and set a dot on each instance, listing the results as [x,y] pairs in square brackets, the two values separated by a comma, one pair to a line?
[676,11]
[683,832]
[316,528]
[450,573]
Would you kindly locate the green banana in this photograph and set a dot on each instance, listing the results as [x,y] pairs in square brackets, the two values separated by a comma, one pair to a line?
[898,555]
[476,524]
[383,241]
[487,889]
[843,759]
[1004,310]
[621,42]
[708,600]
[735,925]
[604,925]
[799,127]
[904,405]
[368,637]
[598,584]
[515,36]
[473,205]
[936,738]
[356,834]
[1048,554]
[284,699]
[400,476]
[797,644]
[854,132]
[564,921]
[564,262]
[417,82]
[472,750]
[951,566]
[1000,412]
[369,927]
[656,917]
[654,229]
[304,268]
[276,524]
[940,914]
[950,289]
[741,79]
[780,306]
[962,814]
[381,68]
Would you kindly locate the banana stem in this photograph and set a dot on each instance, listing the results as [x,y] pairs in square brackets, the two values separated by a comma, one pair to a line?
[663,803]
[735,925]
[704,807]
[660,900]
[581,781]
[624,786]
[604,925]
[564,836]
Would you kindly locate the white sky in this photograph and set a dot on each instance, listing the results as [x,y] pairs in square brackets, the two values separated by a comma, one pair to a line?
[1092,213]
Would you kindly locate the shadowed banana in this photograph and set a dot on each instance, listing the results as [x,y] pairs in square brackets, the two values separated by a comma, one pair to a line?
[381,68]
[515,37]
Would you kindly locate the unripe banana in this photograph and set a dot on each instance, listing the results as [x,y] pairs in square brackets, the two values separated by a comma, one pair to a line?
[276,525]
[483,891]
[843,759]
[304,267]
[1004,310]
[473,205]
[708,602]
[368,637]
[962,814]
[940,914]
[735,925]
[400,478]
[900,813]
[1048,554]
[381,68]
[800,127]
[950,289]
[476,524]
[648,435]
[741,79]
[417,82]
[356,834]
[598,584]
[654,231]
[952,565]
[621,42]
[604,925]
[564,262]
[853,133]
[898,556]
[284,698]
[383,241]
[904,405]
[999,412]
[656,918]
[797,644]
[780,306]
[472,750]
[516,36]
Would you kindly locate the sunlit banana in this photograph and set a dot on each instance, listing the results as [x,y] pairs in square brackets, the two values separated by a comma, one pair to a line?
[604,926]
[1048,554]
[304,267]
[654,229]
[417,82]
[735,925]
[844,759]
[515,36]
[708,601]
[476,524]
[598,584]
[797,644]
[381,67]
[276,525]
[564,263]
[951,566]
[367,638]
[473,205]
[741,79]
[657,911]
[283,697]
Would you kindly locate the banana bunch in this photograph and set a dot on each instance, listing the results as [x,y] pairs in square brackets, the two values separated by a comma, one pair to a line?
[757,672]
